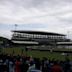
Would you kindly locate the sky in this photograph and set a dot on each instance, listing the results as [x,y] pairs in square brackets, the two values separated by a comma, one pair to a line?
[41,15]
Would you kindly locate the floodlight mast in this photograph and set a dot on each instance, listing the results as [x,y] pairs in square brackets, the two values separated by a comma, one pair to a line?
[16,27]
[68,38]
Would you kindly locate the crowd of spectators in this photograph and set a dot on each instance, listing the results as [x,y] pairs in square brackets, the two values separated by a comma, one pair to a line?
[10,63]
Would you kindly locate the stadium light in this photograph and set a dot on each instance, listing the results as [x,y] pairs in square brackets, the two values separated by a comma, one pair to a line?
[16,26]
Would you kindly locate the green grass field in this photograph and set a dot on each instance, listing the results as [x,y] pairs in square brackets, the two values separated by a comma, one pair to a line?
[38,54]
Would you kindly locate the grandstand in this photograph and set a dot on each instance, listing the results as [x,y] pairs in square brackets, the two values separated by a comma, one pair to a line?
[38,39]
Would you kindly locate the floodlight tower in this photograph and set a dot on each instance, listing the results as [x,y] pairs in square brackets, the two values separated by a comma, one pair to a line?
[16,27]
[68,39]
[68,34]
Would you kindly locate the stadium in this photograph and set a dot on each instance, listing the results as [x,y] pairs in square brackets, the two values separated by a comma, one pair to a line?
[34,48]
[37,38]
[35,35]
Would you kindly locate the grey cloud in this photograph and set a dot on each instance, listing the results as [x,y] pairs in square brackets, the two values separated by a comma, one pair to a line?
[36,3]
[68,21]
[47,3]
[53,7]
[43,5]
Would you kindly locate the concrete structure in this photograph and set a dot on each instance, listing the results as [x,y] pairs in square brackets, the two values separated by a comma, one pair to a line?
[67,45]
[37,38]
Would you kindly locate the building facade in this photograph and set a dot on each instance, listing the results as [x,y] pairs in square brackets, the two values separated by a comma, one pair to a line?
[37,38]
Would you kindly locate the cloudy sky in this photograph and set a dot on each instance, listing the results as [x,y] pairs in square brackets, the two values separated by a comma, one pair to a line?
[42,15]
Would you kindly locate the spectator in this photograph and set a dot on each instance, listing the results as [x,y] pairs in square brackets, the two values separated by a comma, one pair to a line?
[31,67]
[9,63]
[11,66]
[67,67]
[56,67]
[17,66]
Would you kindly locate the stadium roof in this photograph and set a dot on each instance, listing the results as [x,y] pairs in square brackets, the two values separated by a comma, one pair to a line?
[37,32]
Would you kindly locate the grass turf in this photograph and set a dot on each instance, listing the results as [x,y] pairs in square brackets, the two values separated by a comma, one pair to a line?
[38,54]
